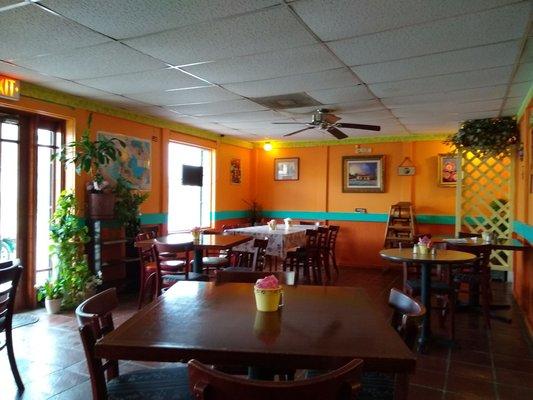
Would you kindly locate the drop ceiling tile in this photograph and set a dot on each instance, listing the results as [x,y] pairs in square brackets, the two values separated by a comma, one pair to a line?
[333,78]
[29,31]
[460,96]
[513,102]
[451,108]
[490,56]
[520,89]
[366,116]
[259,32]
[345,18]
[128,18]
[524,73]
[74,88]
[527,55]
[443,83]
[497,25]
[220,107]
[92,62]
[362,105]
[268,65]
[7,3]
[24,74]
[433,128]
[146,81]
[256,116]
[206,94]
[341,95]
[508,112]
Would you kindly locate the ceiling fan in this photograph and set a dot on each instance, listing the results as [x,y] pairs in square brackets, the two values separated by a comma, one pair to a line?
[322,119]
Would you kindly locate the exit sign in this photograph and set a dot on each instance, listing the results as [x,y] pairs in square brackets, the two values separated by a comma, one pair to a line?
[9,88]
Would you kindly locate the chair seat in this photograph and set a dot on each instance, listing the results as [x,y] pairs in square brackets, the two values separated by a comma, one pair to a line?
[436,286]
[214,261]
[152,384]
[172,265]
[193,276]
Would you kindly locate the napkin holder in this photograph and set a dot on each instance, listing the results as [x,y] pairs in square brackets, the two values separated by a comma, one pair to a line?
[272,224]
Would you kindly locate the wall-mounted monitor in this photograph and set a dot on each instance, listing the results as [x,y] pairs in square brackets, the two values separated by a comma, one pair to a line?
[192,176]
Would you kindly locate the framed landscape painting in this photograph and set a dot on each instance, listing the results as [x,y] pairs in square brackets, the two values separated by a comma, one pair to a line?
[286,169]
[363,174]
[447,170]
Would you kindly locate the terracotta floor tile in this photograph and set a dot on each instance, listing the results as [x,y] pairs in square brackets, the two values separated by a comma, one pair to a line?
[469,356]
[514,378]
[432,379]
[517,363]
[424,393]
[514,393]
[430,363]
[467,370]
[468,386]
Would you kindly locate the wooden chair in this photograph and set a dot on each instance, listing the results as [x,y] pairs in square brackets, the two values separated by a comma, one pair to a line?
[168,272]
[307,223]
[10,273]
[253,261]
[406,319]
[95,318]
[147,264]
[332,241]
[475,275]
[241,275]
[306,258]
[323,252]
[210,384]
[215,259]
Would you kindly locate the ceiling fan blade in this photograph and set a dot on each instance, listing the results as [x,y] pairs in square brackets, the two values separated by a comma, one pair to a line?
[301,130]
[337,133]
[358,126]
[290,123]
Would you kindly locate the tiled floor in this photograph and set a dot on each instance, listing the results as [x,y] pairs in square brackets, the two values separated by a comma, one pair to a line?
[495,364]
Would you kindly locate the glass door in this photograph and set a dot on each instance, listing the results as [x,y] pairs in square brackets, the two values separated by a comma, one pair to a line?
[9,193]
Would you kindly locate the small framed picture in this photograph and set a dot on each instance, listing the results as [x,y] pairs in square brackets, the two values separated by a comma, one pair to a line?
[447,170]
[362,174]
[235,171]
[286,169]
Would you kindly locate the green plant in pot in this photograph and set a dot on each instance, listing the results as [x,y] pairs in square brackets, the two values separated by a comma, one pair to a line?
[68,236]
[489,137]
[52,294]
[90,156]
[127,203]
[254,212]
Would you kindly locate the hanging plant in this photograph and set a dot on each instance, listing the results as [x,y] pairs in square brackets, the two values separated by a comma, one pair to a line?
[493,137]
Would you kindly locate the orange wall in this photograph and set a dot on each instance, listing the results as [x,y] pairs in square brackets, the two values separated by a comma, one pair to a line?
[319,188]
[523,274]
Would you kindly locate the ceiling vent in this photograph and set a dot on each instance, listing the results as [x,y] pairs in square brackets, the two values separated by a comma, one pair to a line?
[291,100]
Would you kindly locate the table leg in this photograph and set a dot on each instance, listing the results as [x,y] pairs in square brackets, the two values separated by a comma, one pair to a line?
[425,295]
[198,262]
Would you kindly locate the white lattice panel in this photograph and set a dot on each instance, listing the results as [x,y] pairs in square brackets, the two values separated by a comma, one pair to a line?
[485,200]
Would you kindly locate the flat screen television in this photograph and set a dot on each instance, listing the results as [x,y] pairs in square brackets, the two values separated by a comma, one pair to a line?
[192,176]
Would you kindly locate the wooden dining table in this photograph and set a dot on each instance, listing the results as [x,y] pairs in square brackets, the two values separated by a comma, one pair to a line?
[204,242]
[426,262]
[319,327]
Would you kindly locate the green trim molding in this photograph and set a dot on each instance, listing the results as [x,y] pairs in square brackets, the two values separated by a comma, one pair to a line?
[153,219]
[524,230]
[276,144]
[230,214]
[53,96]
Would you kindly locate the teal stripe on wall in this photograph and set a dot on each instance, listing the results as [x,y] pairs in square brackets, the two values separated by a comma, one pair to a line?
[357,217]
[524,230]
[232,214]
[156,218]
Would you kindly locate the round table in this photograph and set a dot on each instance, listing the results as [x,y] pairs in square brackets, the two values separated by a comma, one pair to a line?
[426,261]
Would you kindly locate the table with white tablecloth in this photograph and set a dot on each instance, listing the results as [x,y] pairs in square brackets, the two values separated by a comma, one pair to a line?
[280,240]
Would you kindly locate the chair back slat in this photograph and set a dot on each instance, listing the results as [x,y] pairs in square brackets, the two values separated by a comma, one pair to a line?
[209,384]
[95,319]
[407,316]
[237,275]
[333,233]
[9,280]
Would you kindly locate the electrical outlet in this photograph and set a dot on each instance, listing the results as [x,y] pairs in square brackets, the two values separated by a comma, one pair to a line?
[360,210]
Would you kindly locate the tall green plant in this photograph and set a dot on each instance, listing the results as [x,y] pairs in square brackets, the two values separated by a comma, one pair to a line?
[127,202]
[89,156]
[68,237]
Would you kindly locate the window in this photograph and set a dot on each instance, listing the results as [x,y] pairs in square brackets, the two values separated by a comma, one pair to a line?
[188,206]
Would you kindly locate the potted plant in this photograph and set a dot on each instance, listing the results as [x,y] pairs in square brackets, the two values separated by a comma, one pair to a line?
[68,236]
[52,293]
[127,203]
[254,212]
[90,156]
[491,137]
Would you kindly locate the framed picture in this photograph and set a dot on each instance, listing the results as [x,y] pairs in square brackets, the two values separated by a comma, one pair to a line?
[362,174]
[286,169]
[235,171]
[447,170]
